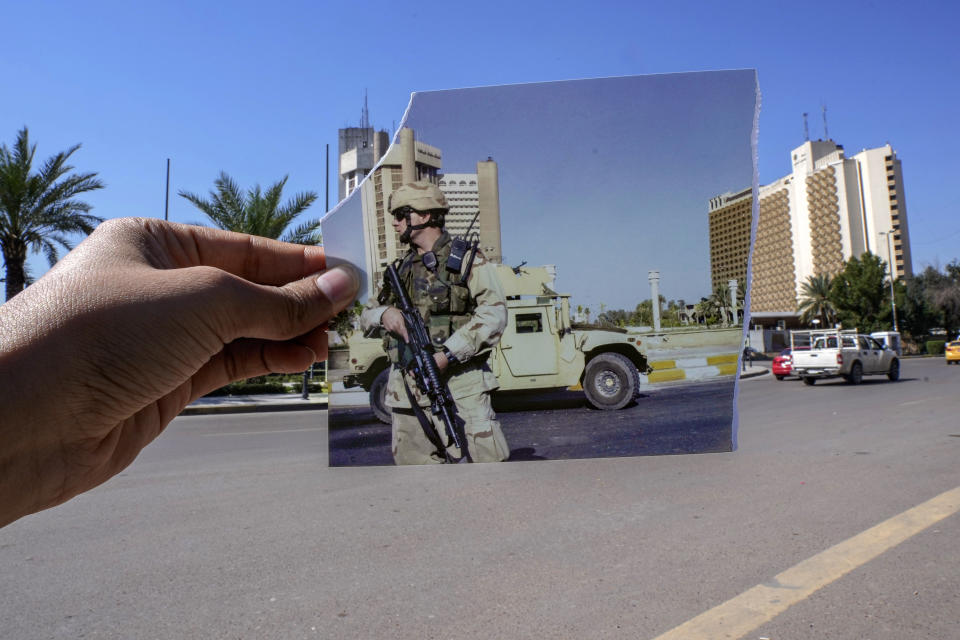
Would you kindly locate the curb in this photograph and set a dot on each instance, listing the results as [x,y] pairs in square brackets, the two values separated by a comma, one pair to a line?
[254,407]
[695,369]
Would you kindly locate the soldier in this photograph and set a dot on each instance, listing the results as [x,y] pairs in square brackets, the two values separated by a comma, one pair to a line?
[465,320]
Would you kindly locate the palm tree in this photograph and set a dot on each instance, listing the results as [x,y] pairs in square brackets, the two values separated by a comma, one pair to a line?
[815,300]
[37,209]
[258,213]
[719,303]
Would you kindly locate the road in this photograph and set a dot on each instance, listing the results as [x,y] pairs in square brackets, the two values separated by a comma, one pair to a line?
[234,527]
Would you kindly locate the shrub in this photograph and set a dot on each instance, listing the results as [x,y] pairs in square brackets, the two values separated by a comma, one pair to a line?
[934,347]
[248,388]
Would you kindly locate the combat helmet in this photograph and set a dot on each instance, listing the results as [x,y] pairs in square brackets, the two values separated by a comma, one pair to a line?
[422,195]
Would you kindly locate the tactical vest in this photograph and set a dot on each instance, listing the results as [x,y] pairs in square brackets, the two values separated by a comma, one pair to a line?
[442,297]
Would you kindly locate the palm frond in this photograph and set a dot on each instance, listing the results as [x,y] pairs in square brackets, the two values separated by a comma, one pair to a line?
[38,209]
[257,212]
[306,233]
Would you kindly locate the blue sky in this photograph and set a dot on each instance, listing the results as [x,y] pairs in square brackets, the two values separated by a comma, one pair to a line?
[258,89]
[606,179]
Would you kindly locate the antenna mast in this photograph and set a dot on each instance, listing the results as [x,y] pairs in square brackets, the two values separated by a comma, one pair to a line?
[825,134]
[806,129]
[365,114]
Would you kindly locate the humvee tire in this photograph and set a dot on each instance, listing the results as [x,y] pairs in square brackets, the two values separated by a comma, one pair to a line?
[610,381]
[378,396]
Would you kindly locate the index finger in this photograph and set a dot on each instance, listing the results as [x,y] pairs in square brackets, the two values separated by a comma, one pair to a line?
[253,258]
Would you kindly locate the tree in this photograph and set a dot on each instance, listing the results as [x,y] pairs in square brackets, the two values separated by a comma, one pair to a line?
[861,295]
[718,303]
[932,299]
[260,214]
[815,300]
[345,322]
[701,312]
[944,296]
[257,213]
[37,209]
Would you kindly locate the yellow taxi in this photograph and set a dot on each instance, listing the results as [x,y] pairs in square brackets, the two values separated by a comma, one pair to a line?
[952,352]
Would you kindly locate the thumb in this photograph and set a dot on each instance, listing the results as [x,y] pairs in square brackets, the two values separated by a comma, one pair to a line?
[282,313]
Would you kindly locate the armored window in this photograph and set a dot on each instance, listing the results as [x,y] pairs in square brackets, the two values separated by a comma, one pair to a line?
[529,323]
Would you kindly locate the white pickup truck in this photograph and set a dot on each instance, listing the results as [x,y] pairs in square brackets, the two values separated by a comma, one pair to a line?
[831,353]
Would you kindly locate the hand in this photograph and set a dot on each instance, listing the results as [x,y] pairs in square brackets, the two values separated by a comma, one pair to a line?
[442,360]
[392,321]
[142,318]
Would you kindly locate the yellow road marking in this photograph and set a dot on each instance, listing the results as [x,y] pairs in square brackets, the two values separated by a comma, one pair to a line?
[747,611]
[723,359]
[662,364]
[727,369]
[666,375]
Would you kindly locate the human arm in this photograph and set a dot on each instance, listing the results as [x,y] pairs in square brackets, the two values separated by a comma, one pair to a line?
[142,318]
[488,320]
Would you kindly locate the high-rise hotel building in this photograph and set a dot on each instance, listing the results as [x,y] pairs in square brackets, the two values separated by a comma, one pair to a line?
[475,195]
[828,209]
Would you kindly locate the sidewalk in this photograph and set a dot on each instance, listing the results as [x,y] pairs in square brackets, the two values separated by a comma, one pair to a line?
[253,403]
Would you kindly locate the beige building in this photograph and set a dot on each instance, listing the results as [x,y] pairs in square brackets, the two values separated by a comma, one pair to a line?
[730,217]
[408,160]
[829,209]
[359,150]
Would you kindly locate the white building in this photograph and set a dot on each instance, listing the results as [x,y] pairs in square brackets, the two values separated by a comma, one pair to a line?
[470,193]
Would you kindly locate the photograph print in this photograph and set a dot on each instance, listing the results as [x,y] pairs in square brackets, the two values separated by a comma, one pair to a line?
[552,271]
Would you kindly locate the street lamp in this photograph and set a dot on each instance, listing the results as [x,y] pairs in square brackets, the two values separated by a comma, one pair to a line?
[893,302]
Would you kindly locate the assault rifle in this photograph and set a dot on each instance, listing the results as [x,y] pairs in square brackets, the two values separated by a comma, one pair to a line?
[421,365]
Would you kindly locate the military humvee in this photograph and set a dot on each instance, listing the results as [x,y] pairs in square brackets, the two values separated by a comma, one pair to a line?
[540,349]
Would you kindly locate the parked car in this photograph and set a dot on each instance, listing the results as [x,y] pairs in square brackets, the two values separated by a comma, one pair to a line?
[782,364]
[952,352]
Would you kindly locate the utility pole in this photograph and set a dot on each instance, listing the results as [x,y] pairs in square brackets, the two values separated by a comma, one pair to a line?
[326,187]
[893,302]
[166,205]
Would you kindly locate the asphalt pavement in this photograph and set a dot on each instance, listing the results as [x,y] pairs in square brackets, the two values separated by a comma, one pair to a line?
[353,398]
[837,517]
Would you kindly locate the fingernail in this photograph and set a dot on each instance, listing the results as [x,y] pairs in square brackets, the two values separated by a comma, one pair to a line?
[339,284]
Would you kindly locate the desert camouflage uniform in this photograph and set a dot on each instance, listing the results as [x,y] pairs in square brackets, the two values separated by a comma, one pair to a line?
[469,322]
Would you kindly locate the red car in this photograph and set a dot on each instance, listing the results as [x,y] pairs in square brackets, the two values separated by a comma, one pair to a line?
[782,364]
